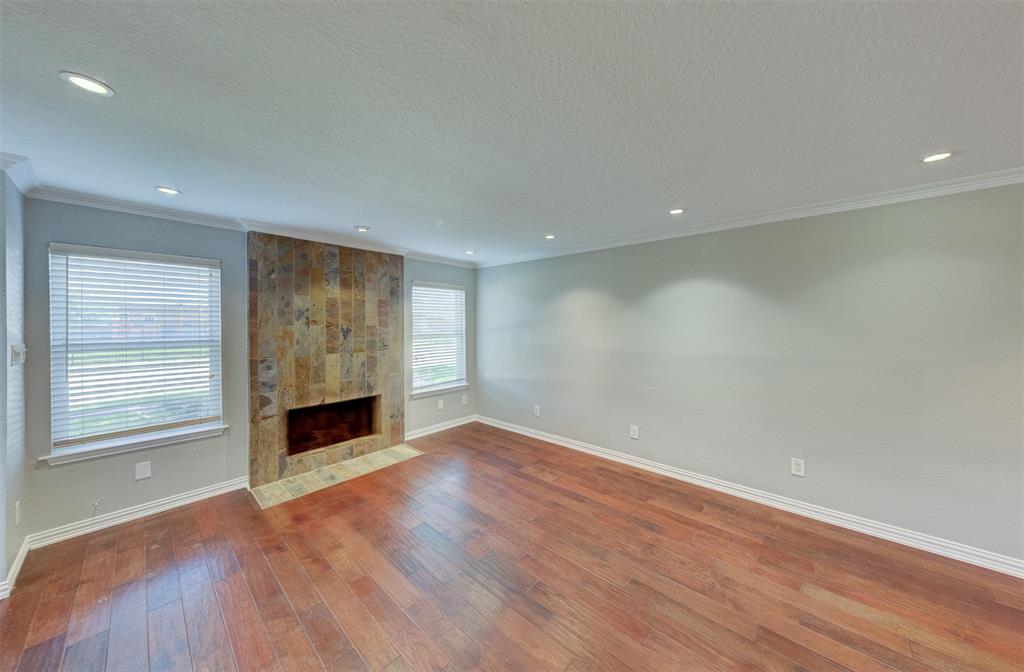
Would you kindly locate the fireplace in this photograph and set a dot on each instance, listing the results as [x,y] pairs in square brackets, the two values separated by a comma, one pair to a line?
[323,425]
[326,325]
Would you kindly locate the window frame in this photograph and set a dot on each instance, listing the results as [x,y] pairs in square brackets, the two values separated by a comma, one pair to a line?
[162,434]
[441,388]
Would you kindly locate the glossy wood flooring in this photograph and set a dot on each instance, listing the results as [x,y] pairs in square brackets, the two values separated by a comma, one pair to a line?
[498,552]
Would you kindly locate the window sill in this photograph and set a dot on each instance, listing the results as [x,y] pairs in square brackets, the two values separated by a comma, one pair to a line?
[127,444]
[440,389]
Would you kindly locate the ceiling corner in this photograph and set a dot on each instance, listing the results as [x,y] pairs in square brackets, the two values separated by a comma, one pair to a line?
[19,169]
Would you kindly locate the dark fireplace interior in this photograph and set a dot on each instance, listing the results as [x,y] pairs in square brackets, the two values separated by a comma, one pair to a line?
[314,427]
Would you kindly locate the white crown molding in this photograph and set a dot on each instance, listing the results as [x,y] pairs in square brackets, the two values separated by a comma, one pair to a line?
[47,537]
[926,542]
[441,260]
[103,203]
[955,186]
[19,169]
[345,241]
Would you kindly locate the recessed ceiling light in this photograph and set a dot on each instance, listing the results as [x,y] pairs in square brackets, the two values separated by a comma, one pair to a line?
[937,157]
[88,83]
[362,229]
[469,252]
[677,211]
[170,191]
[550,236]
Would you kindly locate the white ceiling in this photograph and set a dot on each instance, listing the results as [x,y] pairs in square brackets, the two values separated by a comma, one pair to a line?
[451,126]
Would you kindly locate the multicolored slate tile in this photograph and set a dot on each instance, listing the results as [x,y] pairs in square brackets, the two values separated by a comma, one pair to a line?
[272,494]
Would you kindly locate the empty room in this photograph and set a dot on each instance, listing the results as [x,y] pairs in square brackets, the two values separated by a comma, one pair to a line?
[556,336]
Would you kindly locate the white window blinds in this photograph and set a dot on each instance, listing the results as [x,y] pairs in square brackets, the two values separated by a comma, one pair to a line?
[438,336]
[134,343]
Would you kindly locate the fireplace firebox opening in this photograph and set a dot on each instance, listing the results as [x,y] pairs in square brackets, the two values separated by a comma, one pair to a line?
[324,425]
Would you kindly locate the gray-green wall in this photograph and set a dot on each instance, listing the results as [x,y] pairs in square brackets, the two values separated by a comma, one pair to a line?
[12,390]
[883,346]
[64,494]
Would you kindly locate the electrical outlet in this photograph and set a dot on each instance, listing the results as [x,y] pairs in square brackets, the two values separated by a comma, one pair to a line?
[143,470]
[796,466]
[634,431]
[17,513]
[536,410]
[440,404]
[465,399]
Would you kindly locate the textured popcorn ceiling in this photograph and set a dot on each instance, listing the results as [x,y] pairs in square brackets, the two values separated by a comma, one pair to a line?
[448,127]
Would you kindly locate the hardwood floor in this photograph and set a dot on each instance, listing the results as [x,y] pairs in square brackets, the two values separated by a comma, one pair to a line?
[497,552]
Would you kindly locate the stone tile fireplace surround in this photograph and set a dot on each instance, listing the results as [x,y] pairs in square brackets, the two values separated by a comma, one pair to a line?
[325,326]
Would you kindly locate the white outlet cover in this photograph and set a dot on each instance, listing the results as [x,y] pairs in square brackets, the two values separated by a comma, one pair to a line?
[634,431]
[796,467]
[143,470]
[465,399]
[440,404]
[536,410]
[17,513]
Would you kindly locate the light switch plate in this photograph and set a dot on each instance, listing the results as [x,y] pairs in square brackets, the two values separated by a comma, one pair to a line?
[465,399]
[796,467]
[143,470]
[440,404]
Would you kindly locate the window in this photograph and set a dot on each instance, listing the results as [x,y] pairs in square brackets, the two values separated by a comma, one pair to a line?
[438,337]
[134,347]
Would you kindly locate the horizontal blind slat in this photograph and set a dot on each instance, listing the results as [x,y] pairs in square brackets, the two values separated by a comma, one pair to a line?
[438,336]
[135,344]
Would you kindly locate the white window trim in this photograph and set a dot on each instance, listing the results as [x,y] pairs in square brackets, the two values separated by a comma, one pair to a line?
[438,389]
[142,440]
[444,388]
[127,444]
[115,253]
[440,285]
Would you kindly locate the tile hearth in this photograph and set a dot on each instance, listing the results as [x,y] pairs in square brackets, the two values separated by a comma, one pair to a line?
[286,489]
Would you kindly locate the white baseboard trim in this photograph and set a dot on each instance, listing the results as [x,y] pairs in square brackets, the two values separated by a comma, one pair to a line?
[12,572]
[441,426]
[52,536]
[944,547]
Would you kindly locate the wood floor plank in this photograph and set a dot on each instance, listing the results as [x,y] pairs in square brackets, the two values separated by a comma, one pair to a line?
[332,644]
[220,559]
[129,564]
[360,626]
[51,619]
[219,660]
[499,552]
[168,641]
[44,656]
[246,630]
[128,647]
[419,650]
[293,579]
[15,621]
[91,611]
[87,655]
[203,622]
[291,643]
